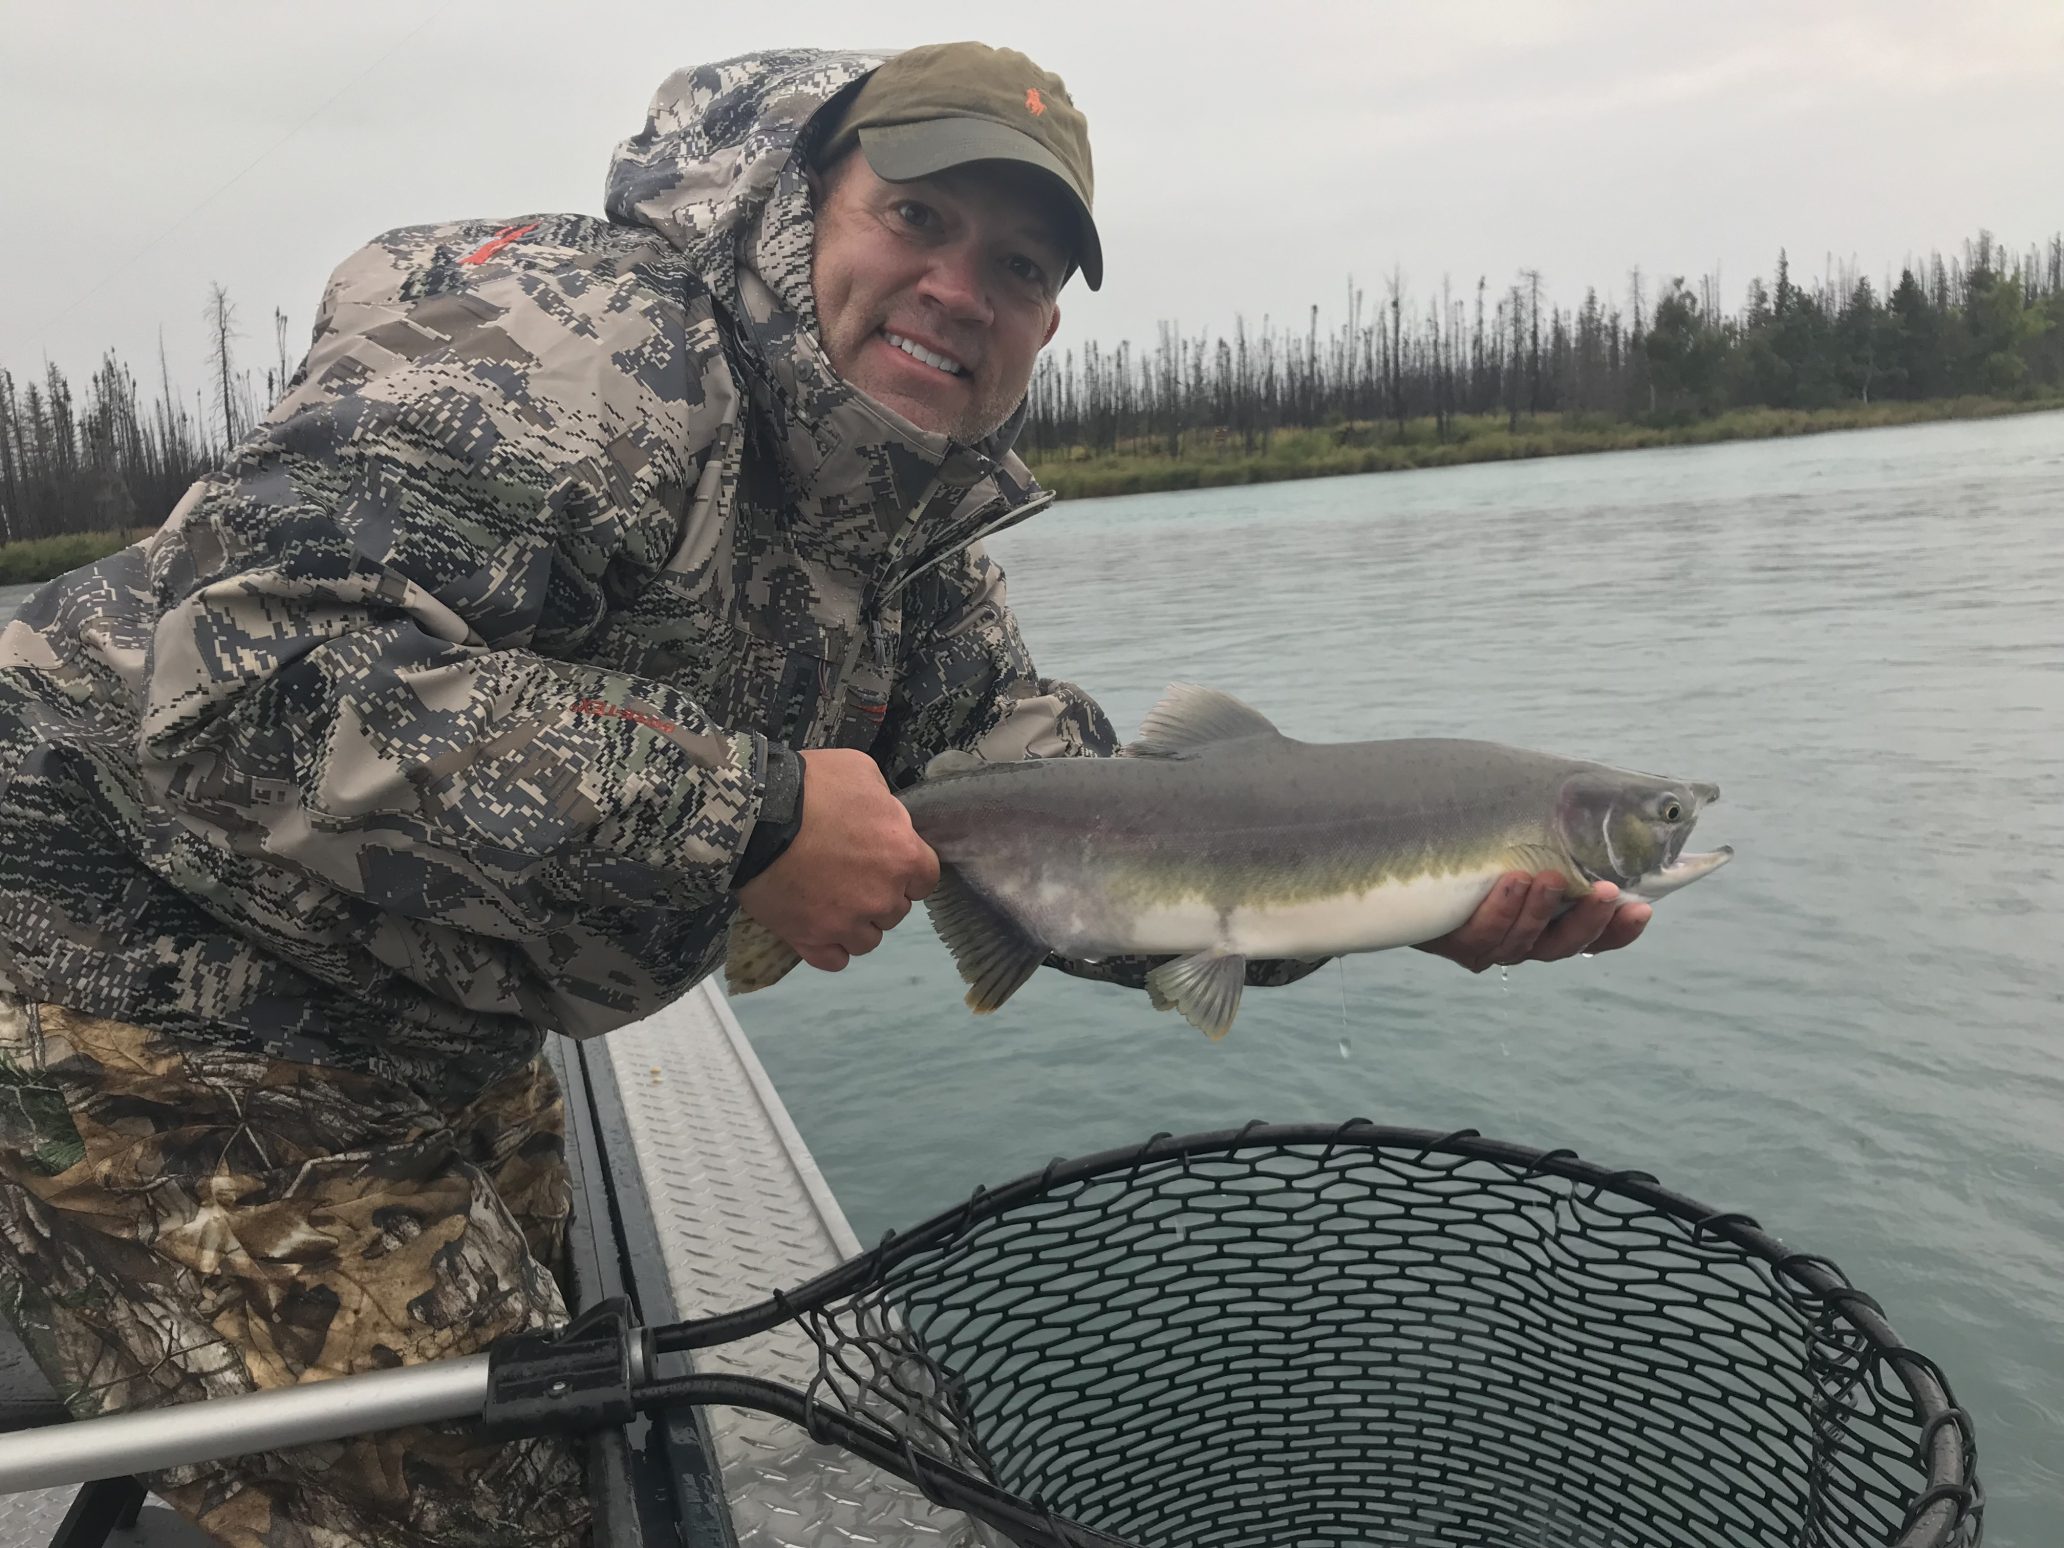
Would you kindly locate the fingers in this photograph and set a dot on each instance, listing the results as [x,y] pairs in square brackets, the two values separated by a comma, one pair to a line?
[1625,927]
[1578,929]
[1593,923]
[857,940]
[826,959]
[833,956]
[1474,942]
[923,880]
[1531,919]
[1543,900]
[853,868]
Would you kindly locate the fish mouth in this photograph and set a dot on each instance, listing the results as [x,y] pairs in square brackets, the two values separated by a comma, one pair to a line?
[1680,872]
[1705,795]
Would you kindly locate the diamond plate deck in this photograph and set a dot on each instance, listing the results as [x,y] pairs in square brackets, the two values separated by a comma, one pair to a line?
[28,1519]
[31,1516]
[743,1211]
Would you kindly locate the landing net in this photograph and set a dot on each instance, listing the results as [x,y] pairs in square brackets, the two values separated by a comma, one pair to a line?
[1306,1337]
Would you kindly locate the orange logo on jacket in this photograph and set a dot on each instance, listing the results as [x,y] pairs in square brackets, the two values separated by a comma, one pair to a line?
[618,712]
[497,242]
[1032,103]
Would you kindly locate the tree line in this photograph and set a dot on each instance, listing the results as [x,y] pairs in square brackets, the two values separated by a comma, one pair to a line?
[1984,321]
[101,459]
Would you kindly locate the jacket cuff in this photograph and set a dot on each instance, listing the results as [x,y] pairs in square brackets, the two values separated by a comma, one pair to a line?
[780,818]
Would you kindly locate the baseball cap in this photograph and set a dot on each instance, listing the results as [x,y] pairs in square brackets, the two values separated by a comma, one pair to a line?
[946,104]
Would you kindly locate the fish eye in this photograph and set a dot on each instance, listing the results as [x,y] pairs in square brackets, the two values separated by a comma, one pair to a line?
[1672,809]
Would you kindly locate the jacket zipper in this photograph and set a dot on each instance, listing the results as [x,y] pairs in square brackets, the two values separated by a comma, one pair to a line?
[873,600]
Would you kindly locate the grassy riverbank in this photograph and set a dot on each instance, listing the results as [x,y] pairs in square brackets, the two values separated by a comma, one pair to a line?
[1211,459]
[38,559]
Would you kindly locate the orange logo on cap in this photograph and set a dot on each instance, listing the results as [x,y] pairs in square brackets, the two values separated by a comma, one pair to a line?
[1032,103]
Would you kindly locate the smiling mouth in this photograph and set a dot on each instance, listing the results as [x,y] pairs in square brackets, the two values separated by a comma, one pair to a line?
[944,364]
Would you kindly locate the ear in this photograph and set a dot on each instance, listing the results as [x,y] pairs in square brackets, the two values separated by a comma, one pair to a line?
[1052,323]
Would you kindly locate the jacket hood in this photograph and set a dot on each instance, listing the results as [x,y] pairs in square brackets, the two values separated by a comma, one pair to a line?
[720,146]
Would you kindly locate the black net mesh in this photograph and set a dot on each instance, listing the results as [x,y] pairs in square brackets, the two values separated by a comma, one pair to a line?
[1304,1338]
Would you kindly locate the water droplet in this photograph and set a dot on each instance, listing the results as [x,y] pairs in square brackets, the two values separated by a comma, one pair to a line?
[1589,955]
[1344,1049]
[1505,977]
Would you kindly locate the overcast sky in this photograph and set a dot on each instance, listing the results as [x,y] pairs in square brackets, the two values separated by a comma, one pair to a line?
[1249,158]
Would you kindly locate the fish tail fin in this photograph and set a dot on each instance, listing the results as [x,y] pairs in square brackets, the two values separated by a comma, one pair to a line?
[755,956]
[993,954]
[1204,986]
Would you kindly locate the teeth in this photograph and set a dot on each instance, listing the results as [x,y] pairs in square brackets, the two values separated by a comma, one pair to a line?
[919,352]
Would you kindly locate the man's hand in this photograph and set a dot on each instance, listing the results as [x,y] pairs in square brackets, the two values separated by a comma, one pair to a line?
[854,869]
[1518,923]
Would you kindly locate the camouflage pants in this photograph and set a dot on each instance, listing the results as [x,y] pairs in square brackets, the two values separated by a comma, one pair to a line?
[179,1222]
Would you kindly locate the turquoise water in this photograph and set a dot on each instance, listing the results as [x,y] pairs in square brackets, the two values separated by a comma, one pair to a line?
[1852,1033]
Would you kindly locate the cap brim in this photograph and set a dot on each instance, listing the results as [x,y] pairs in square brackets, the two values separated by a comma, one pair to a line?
[900,152]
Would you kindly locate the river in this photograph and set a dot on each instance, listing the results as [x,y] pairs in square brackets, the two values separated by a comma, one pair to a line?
[1852,1033]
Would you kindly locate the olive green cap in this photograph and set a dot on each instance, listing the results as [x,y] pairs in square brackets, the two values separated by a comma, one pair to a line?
[948,104]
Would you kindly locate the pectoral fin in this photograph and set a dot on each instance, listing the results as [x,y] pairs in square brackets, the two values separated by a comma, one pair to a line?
[1205,987]
[755,956]
[993,954]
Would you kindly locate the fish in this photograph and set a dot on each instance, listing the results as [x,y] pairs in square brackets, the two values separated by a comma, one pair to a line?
[1213,839]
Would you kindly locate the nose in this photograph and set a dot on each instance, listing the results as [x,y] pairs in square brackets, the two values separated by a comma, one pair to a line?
[955,282]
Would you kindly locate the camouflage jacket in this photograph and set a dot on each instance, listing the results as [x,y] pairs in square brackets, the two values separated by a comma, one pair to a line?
[436,718]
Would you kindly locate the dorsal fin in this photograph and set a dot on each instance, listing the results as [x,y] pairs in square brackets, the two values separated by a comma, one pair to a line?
[1189,717]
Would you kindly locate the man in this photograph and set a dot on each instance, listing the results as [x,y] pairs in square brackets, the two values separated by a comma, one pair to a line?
[594,580]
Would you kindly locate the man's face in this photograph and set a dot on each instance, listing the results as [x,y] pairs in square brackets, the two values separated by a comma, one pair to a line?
[961,266]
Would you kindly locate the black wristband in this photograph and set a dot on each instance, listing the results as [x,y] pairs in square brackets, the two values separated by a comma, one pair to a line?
[781,815]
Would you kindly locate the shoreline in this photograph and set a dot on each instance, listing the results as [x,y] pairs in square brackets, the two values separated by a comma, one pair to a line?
[1344,450]
[31,561]
[1335,452]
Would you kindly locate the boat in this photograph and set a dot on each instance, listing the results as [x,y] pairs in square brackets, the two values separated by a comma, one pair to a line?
[693,1194]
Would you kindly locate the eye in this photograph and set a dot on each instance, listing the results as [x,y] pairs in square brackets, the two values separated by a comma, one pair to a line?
[915,212]
[1028,269]
[1672,810]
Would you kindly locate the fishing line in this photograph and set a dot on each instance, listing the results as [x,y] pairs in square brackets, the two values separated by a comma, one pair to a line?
[137,255]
